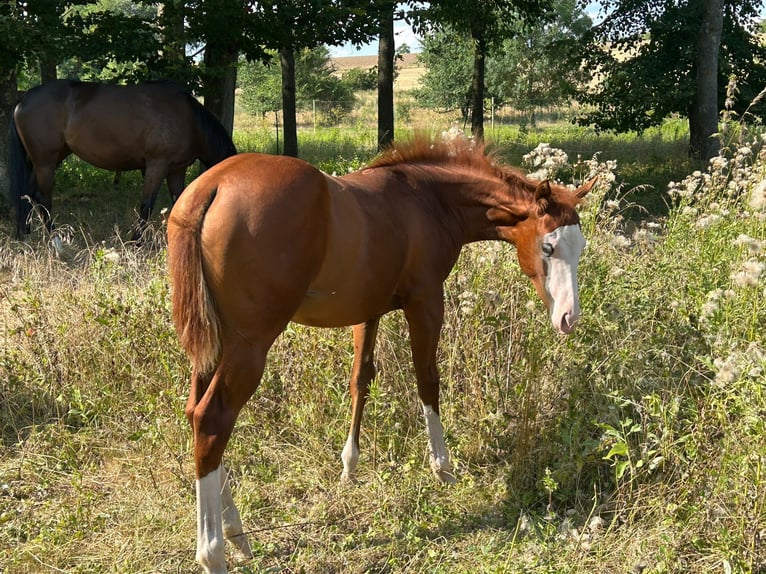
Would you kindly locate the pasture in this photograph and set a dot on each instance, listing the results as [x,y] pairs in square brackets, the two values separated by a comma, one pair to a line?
[637,444]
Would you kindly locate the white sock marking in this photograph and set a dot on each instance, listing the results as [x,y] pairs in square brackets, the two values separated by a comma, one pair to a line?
[210,543]
[440,462]
[349,456]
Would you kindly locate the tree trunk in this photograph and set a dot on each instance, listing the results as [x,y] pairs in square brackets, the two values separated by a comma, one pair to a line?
[220,81]
[386,79]
[477,88]
[47,70]
[289,120]
[171,17]
[703,121]
[227,97]
[8,99]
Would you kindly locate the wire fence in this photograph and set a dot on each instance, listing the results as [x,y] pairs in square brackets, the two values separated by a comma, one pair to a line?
[517,131]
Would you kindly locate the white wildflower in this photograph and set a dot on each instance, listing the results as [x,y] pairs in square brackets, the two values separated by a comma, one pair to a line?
[545,161]
[111,256]
[453,134]
[718,163]
[749,273]
[753,245]
[758,196]
[689,211]
[708,309]
[644,236]
[619,241]
[744,151]
[712,305]
[596,524]
[707,221]
[728,371]
[467,302]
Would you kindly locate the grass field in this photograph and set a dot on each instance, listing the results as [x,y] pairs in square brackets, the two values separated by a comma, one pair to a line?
[636,445]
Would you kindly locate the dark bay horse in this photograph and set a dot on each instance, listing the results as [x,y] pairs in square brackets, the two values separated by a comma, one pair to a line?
[156,127]
[259,241]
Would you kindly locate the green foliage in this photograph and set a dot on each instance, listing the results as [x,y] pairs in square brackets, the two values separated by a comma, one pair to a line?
[530,69]
[535,68]
[649,72]
[261,87]
[112,46]
[361,79]
[314,80]
[446,83]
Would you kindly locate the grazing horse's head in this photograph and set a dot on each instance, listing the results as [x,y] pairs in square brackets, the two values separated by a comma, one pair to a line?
[549,243]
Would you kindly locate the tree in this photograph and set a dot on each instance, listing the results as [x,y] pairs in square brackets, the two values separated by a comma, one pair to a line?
[225,29]
[529,70]
[314,80]
[703,113]
[111,42]
[386,76]
[446,82]
[535,68]
[289,26]
[655,58]
[488,22]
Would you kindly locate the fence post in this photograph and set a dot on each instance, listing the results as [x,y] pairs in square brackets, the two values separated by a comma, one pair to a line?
[276,129]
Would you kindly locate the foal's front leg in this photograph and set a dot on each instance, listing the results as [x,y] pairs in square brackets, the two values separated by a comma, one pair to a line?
[425,317]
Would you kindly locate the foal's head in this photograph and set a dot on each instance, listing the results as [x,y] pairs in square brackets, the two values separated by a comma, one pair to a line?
[549,243]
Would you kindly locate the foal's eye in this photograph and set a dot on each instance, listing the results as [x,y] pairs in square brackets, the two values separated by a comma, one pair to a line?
[547,249]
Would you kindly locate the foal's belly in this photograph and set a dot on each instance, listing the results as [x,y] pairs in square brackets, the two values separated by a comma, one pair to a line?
[343,307]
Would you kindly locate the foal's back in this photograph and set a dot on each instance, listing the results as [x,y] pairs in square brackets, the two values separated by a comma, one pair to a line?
[301,245]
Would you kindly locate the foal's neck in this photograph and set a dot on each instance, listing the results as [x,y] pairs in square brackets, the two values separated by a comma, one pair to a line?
[486,207]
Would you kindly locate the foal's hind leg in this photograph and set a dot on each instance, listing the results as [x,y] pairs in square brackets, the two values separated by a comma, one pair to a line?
[362,373]
[212,410]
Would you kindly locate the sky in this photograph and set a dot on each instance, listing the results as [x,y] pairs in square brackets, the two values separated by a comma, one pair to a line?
[403,34]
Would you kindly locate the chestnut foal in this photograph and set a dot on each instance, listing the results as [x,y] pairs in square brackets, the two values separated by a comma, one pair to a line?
[259,241]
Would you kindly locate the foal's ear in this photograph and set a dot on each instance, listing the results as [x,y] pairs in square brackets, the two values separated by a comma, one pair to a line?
[542,195]
[583,190]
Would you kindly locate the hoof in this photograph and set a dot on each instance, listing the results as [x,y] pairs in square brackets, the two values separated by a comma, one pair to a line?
[241,546]
[445,476]
[348,478]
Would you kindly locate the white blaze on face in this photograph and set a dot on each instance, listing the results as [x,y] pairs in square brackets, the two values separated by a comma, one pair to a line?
[562,249]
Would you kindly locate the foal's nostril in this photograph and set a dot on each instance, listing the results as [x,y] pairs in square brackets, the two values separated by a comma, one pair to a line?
[568,321]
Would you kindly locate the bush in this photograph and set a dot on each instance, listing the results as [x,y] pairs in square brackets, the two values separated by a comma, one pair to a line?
[359,79]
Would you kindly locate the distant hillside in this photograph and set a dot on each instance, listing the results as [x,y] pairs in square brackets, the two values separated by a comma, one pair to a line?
[409,68]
